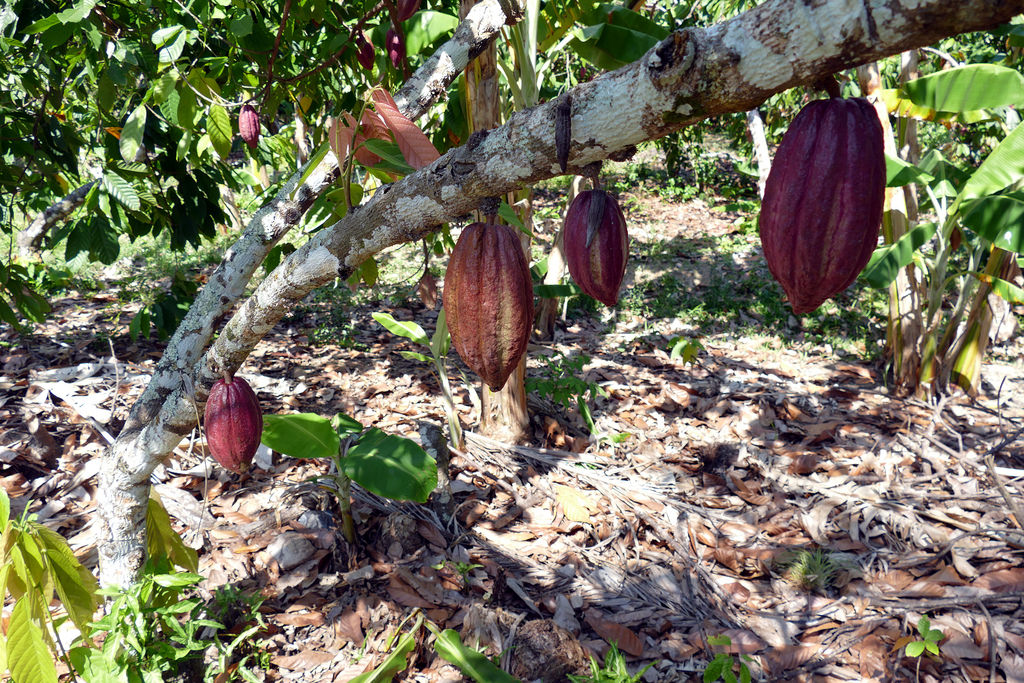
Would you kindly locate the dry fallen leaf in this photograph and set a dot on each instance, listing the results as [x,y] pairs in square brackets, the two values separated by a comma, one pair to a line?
[623,637]
[576,506]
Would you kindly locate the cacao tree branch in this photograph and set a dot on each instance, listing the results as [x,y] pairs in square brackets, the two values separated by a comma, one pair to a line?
[32,236]
[167,409]
[691,75]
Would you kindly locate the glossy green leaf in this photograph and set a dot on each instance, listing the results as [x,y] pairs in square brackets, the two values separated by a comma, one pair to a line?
[5,511]
[1003,167]
[391,466]
[392,158]
[427,27]
[470,662]
[163,540]
[887,260]
[1004,289]
[967,88]
[395,663]
[300,435]
[344,424]
[121,190]
[915,649]
[186,106]
[29,659]
[403,328]
[218,126]
[899,173]
[131,133]
[412,355]
[999,219]
[75,585]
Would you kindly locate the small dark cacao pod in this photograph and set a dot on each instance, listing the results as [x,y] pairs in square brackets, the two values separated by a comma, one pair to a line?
[234,423]
[249,126]
[488,300]
[364,52]
[596,244]
[396,48]
[405,9]
[822,207]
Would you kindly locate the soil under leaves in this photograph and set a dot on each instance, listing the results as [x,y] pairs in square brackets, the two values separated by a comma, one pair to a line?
[683,526]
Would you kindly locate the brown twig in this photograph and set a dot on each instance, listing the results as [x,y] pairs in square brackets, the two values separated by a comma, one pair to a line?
[276,50]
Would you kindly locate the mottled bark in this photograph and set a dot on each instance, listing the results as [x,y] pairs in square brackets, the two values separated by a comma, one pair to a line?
[692,74]
[32,236]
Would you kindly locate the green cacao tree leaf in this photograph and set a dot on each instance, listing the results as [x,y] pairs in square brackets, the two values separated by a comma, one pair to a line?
[403,328]
[162,539]
[218,126]
[391,466]
[967,88]
[5,513]
[29,659]
[425,28]
[131,133]
[300,435]
[999,219]
[76,587]
[887,260]
[121,190]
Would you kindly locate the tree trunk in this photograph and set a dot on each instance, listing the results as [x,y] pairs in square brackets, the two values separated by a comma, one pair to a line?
[547,308]
[691,75]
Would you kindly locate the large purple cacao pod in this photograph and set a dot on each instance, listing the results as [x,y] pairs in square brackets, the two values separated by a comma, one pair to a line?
[488,300]
[234,423]
[822,207]
[249,126]
[596,244]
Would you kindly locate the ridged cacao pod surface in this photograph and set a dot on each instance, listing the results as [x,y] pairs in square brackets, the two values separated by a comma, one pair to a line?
[234,423]
[598,268]
[822,207]
[249,126]
[488,300]
[395,46]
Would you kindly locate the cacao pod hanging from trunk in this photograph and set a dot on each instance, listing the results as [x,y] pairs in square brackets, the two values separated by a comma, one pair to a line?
[233,422]
[596,244]
[822,207]
[249,126]
[488,300]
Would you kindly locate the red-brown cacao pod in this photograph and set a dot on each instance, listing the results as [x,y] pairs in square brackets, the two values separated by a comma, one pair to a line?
[249,126]
[598,269]
[364,51]
[396,48]
[234,423]
[822,207]
[488,300]
[405,9]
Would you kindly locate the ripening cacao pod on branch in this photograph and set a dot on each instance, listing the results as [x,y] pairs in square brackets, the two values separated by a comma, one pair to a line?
[822,207]
[396,48]
[364,51]
[405,9]
[596,244]
[234,423]
[488,300]
[249,126]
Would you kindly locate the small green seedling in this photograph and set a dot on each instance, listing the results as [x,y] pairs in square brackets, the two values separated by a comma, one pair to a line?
[613,671]
[721,667]
[929,641]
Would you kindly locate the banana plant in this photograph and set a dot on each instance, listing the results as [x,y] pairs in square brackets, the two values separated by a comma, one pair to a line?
[980,212]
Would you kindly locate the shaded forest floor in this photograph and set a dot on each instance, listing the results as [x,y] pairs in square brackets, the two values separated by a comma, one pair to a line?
[683,519]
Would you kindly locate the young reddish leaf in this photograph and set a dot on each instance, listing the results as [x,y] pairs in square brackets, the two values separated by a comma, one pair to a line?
[340,136]
[373,127]
[416,147]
